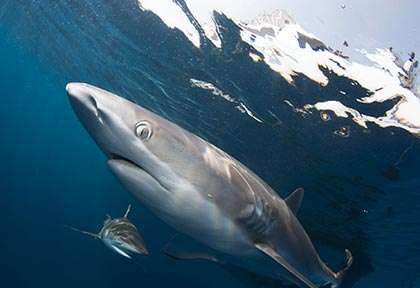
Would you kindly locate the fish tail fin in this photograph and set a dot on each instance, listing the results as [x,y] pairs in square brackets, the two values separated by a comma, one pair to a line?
[83,232]
[128,211]
[338,277]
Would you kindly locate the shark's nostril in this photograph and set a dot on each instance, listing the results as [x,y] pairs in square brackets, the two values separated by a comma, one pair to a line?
[91,101]
[94,103]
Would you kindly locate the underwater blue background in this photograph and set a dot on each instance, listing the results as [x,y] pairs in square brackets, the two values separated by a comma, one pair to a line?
[53,174]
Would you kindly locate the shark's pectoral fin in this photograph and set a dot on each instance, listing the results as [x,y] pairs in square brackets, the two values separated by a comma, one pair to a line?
[294,200]
[120,251]
[237,272]
[266,249]
[176,254]
[96,236]
[189,256]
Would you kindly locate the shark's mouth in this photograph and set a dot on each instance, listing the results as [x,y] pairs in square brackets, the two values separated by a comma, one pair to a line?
[128,162]
[113,156]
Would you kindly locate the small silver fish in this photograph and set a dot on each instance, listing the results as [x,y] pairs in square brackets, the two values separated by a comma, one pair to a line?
[120,235]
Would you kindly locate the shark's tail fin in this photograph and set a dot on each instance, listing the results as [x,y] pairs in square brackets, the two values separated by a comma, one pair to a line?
[128,211]
[82,231]
[338,277]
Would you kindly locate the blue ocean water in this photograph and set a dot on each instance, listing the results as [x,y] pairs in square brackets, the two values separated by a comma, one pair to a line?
[53,174]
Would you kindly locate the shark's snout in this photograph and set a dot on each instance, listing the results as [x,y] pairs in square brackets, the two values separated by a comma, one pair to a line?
[91,105]
[77,91]
[82,98]
[104,116]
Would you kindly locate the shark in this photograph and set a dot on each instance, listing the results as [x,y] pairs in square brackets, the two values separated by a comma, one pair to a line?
[202,191]
[120,235]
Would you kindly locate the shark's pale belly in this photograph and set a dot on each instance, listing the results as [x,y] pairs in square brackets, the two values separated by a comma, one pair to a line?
[196,215]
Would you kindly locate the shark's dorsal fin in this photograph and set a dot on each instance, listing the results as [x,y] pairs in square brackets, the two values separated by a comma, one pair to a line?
[294,200]
[266,249]
[84,232]
[128,211]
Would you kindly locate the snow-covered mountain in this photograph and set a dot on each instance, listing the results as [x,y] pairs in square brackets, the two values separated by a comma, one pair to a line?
[290,50]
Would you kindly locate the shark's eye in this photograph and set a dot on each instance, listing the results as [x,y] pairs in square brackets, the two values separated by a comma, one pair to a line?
[143,130]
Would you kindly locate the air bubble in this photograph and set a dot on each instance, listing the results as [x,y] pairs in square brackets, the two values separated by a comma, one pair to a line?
[325,116]
[343,132]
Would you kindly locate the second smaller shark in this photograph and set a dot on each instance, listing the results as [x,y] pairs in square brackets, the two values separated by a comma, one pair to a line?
[120,235]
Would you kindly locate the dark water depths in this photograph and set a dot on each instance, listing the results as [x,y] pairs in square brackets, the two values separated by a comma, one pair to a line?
[53,174]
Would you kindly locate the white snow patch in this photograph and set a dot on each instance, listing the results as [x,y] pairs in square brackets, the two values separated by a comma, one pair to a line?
[341,110]
[281,48]
[211,31]
[255,57]
[296,109]
[396,117]
[218,92]
[245,109]
[173,16]
[214,90]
